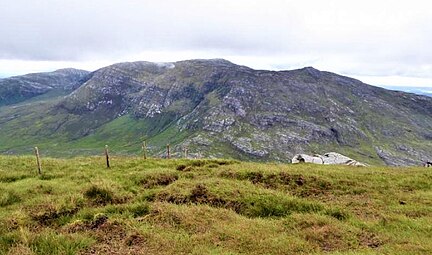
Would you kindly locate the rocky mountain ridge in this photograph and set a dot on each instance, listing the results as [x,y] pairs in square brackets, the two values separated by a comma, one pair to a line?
[219,109]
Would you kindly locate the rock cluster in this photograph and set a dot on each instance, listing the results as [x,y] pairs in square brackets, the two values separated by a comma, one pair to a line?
[330,158]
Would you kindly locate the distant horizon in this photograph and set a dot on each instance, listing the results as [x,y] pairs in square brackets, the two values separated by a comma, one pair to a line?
[382,43]
[379,81]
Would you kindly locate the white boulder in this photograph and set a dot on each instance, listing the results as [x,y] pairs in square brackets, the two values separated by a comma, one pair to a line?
[330,158]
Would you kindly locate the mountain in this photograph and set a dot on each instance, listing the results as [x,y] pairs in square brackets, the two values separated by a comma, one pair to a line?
[219,109]
[20,88]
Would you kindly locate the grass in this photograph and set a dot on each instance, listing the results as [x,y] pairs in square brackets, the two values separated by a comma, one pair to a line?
[179,206]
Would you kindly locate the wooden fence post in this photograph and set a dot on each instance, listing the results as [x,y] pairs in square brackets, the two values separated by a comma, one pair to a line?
[168,151]
[185,151]
[107,156]
[38,160]
[144,148]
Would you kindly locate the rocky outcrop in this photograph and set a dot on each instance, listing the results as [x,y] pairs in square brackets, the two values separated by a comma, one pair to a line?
[331,158]
[241,113]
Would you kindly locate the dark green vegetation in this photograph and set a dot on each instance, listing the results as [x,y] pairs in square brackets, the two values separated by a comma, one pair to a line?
[211,207]
[219,109]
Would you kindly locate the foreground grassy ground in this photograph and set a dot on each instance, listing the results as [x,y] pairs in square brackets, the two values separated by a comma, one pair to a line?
[156,206]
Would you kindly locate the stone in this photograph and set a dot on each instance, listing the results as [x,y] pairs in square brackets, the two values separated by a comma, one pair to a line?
[330,158]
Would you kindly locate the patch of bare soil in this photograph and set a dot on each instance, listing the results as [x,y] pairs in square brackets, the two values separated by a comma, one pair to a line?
[200,195]
[370,240]
[160,180]
[47,214]
[297,184]
[111,237]
[327,238]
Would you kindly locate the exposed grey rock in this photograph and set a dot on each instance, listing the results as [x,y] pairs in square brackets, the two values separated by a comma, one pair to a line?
[304,158]
[391,159]
[244,144]
[330,158]
[201,141]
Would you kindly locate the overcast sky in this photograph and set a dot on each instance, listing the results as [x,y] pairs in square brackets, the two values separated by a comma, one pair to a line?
[378,41]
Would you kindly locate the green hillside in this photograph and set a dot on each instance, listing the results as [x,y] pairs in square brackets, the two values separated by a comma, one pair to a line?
[156,206]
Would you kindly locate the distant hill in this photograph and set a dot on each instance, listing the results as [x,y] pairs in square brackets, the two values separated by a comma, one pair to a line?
[219,109]
[20,88]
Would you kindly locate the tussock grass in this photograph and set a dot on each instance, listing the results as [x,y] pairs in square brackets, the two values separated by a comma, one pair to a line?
[98,195]
[156,206]
[8,197]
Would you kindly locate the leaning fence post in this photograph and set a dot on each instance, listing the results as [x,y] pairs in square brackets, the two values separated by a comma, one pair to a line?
[38,160]
[168,151]
[107,156]
[144,148]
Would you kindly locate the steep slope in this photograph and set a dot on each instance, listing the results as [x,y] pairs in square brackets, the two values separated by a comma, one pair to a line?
[220,109]
[20,88]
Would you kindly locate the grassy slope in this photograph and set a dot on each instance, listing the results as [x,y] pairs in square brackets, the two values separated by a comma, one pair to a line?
[124,135]
[211,207]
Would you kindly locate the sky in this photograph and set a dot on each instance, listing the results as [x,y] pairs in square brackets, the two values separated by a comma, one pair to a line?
[377,41]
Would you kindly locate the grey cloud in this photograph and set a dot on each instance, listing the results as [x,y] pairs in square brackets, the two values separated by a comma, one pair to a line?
[367,37]
[58,30]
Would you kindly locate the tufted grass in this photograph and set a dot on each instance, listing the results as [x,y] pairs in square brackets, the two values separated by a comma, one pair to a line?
[156,206]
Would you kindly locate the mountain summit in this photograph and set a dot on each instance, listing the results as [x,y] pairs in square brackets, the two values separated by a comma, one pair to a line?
[219,109]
